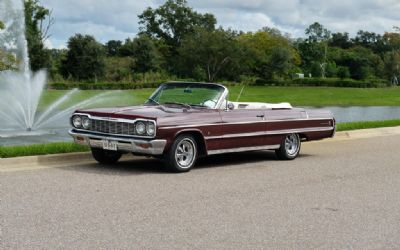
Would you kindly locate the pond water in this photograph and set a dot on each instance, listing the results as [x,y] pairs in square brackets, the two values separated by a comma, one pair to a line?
[60,131]
[356,113]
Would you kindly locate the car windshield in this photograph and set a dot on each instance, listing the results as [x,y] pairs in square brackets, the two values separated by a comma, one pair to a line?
[188,94]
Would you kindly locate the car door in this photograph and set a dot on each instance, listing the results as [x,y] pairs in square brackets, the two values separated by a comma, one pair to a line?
[242,128]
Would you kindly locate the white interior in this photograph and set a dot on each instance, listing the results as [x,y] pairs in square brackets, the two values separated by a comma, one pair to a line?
[261,105]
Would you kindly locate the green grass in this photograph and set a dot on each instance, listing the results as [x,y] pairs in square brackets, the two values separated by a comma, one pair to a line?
[41,149]
[320,96]
[297,96]
[369,124]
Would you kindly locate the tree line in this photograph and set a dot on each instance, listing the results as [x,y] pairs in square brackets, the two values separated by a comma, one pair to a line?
[177,41]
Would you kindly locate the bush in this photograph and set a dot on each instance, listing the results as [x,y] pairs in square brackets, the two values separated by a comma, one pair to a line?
[104,86]
[343,72]
[118,69]
[327,82]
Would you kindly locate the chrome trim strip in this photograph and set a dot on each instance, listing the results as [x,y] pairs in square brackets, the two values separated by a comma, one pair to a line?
[222,98]
[301,130]
[107,118]
[236,123]
[155,147]
[335,126]
[115,120]
[94,133]
[274,132]
[243,149]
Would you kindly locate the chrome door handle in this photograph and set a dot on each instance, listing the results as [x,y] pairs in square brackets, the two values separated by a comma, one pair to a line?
[260,116]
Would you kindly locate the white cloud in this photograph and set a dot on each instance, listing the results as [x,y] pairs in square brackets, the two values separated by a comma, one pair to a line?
[106,20]
[118,19]
[102,32]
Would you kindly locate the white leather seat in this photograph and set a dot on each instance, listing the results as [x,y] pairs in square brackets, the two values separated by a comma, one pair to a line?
[261,105]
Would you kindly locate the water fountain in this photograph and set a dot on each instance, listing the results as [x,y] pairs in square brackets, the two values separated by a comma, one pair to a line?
[21,90]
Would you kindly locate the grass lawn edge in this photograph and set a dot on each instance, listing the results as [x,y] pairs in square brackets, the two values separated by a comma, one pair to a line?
[70,147]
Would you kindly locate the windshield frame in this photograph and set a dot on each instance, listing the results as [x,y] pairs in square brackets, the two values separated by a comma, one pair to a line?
[220,101]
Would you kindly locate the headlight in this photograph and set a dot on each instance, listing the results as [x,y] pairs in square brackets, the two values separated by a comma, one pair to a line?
[77,121]
[140,128]
[150,128]
[86,122]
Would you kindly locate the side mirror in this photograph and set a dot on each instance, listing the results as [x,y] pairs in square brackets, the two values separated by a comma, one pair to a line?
[231,106]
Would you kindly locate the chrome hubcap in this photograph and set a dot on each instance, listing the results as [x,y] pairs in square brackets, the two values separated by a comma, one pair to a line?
[184,153]
[292,143]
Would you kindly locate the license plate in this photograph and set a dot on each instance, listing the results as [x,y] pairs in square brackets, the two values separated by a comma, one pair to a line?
[110,145]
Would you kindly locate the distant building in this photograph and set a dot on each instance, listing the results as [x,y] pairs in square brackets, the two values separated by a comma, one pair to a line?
[297,75]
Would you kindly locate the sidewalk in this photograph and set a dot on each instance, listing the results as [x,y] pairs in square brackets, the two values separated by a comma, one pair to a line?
[366,133]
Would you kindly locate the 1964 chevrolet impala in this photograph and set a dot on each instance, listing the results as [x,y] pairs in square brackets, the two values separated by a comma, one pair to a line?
[183,121]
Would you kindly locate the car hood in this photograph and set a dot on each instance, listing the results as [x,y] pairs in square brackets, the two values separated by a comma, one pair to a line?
[142,111]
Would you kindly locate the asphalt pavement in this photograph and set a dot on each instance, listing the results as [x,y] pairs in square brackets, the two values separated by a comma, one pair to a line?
[337,195]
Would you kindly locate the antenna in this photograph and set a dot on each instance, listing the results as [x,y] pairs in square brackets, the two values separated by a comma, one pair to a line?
[241,91]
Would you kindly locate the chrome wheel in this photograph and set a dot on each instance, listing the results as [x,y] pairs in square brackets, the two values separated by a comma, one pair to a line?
[292,144]
[185,153]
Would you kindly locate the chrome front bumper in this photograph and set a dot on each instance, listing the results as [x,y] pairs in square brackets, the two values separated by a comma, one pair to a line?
[147,147]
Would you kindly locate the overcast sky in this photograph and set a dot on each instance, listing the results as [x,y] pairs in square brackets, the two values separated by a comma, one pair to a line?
[108,19]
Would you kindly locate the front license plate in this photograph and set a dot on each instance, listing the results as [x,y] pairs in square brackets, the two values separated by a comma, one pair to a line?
[110,145]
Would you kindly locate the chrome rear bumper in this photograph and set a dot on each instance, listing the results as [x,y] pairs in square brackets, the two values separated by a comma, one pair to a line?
[147,147]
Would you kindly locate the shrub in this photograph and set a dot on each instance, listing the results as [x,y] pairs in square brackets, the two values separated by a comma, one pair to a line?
[104,86]
[327,82]
[343,72]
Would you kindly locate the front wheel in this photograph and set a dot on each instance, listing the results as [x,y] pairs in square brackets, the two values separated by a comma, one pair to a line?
[182,155]
[105,156]
[290,147]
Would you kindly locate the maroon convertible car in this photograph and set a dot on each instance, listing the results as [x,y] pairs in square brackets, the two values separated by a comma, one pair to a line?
[183,121]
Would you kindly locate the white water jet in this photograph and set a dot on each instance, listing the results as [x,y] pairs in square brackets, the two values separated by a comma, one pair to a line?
[21,90]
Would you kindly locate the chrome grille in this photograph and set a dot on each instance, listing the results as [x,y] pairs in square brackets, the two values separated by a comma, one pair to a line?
[112,127]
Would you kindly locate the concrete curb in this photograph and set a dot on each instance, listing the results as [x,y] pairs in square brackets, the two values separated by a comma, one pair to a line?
[366,133]
[44,161]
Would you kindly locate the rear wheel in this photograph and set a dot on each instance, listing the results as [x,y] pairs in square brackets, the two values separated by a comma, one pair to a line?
[183,154]
[290,147]
[105,156]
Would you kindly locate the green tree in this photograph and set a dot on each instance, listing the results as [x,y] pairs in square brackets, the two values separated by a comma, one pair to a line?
[172,21]
[392,40]
[272,54]
[343,72]
[392,66]
[362,62]
[113,47]
[38,22]
[373,41]
[317,33]
[57,57]
[341,40]
[318,38]
[214,54]
[311,55]
[392,57]
[84,59]
[7,60]
[119,68]
[127,48]
[145,54]
[279,64]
